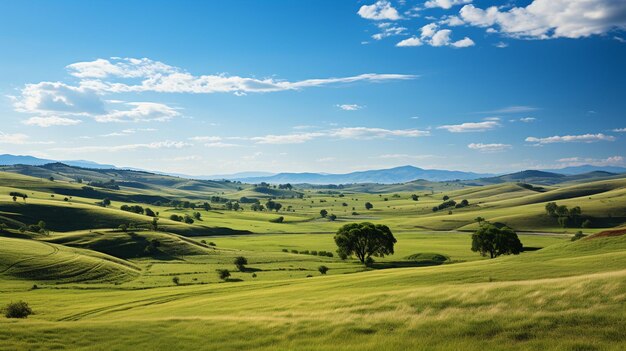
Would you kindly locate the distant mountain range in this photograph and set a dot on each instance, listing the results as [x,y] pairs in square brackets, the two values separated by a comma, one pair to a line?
[382,176]
[9,160]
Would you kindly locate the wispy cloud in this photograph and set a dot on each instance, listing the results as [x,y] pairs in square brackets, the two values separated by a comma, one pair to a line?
[579,161]
[512,109]
[50,121]
[470,127]
[488,147]
[168,144]
[350,107]
[584,138]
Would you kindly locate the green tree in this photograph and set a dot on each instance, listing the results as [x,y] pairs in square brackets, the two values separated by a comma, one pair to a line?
[495,241]
[364,240]
[551,209]
[323,213]
[415,197]
[224,274]
[241,262]
[368,206]
[322,269]
[479,220]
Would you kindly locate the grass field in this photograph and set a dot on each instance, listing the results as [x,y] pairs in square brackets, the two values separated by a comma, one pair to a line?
[95,287]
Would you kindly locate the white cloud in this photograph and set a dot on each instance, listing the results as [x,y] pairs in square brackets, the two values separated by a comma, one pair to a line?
[445,4]
[452,21]
[342,133]
[488,147]
[501,45]
[297,138]
[350,107]
[463,43]
[49,121]
[46,97]
[585,138]
[548,19]
[413,41]
[373,133]
[140,112]
[388,30]
[17,138]
[470,127]
[380,10]
[619,130]
[527,119]
[433,36]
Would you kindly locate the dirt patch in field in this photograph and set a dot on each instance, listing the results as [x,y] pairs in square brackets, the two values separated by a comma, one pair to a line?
[609,233]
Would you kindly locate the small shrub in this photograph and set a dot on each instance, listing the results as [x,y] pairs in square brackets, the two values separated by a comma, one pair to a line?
[212,243]
[294,251]
[224,274]
[176,280]
[253,275]
[18,309]
[579,235]
[586,224]
[280,219]
[241,262]
[313,252]
[322,269]
[285,250]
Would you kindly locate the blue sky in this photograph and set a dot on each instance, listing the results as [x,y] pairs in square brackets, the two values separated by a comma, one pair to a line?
[327,86]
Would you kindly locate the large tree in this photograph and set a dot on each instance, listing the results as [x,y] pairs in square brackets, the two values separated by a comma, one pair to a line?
[495,241]
[364,240]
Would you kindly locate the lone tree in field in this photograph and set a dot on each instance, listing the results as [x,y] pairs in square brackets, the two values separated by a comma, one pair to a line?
[323,213]
[224,274]
[364,240]
[322,269]
[495,241]
[368,206]
[241,262]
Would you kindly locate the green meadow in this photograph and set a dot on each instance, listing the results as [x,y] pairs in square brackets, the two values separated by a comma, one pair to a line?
[101,278]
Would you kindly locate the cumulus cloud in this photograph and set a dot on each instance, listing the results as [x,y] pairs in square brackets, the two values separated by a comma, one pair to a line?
[445,4]
[488,147]
[46,97]
[380,10]
[432,35]
[49,121]
[527,119]
[584,138]
[413,41]
[619,130]
[548,19]
[470,126]
[350,107]
[140,112]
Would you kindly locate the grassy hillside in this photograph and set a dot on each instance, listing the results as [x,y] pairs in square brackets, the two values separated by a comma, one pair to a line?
[38,261]
[569,296]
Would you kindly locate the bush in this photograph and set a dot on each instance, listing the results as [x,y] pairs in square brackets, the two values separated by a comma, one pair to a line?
[176,280]
[18,309]
[294,251]
[313,252]
[285,250]
[579,235]
[280,219]
[212,243]
[322,269]
[224,274]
